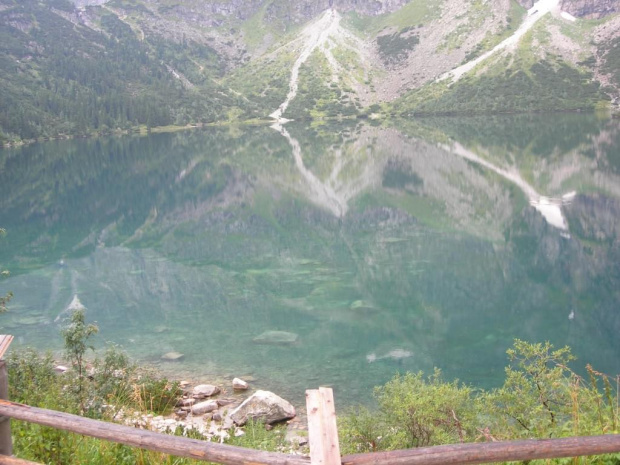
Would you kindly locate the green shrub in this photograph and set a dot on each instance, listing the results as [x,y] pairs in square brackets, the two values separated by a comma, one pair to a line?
[540,398]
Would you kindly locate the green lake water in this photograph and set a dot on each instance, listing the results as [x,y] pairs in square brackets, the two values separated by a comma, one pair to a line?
[431,242]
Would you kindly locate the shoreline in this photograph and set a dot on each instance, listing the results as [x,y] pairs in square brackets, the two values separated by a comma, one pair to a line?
[144,131]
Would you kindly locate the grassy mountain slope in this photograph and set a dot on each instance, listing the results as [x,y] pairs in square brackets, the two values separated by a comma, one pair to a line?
[68,70]
[552,68]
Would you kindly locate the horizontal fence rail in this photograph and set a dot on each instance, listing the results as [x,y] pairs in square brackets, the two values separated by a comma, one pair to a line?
[8,460]
[173,445]
[456,454]
[505,451]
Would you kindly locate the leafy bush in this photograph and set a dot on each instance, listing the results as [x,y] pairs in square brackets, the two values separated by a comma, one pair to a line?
[541,398]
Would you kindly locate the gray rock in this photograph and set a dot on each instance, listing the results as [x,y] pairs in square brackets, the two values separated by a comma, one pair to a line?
[297,437]
[276,338]
[239,384]
[186,402]
[225,402]
[228,423]
[204,390]
[264,406]
[204,407]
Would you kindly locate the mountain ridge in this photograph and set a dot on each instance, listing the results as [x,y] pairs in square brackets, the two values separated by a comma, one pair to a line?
[203,61]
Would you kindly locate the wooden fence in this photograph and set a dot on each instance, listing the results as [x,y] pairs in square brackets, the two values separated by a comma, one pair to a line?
[322,435]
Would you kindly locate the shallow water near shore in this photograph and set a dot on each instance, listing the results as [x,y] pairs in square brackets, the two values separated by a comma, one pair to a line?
[368,249]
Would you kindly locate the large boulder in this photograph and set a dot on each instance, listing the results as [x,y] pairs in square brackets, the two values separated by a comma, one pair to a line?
[264,406]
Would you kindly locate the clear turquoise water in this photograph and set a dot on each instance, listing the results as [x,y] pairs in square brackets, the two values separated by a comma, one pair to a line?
[382,249]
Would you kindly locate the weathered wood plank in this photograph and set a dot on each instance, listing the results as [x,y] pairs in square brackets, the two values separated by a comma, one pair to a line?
[315,431]
[174,445]
[322,431]
[478,453]
[6,460]
[331,446]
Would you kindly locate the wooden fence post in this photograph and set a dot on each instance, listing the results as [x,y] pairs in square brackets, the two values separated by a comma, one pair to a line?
[6,443]
[322,429]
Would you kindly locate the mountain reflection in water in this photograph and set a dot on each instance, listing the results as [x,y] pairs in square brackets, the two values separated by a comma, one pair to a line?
[433,242]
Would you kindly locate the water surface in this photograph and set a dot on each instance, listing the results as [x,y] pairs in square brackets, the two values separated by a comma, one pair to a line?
[431,242]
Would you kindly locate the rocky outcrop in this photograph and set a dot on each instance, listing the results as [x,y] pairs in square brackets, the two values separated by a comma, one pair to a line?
[583,8]
[263,406]
[307,9]
[82,3]
[590,8]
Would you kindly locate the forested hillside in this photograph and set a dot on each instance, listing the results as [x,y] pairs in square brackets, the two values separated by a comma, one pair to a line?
[63,78]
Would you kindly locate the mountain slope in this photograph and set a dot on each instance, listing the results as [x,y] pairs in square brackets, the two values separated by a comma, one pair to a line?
[64,76]
[98,66]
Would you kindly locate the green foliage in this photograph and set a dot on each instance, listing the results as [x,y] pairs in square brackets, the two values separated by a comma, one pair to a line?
[76,335]
[541,398]
[64,79]
[157,395]
[114,384]
[395,47]
[414,411]
[611,59]
[318,95]
[429,411]
[258,437]
[544,86]
[362,431]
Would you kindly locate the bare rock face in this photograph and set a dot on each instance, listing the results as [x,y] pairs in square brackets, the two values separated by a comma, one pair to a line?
[263,406]
[527,3]
[590,8]
[89,2]
[583,8]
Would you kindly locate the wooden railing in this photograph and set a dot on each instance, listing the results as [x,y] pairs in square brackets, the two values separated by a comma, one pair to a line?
[322,435]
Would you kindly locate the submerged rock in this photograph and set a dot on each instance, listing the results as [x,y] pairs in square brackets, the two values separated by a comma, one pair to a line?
[264,406]
[276,338]
[172,356]
[396,354]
